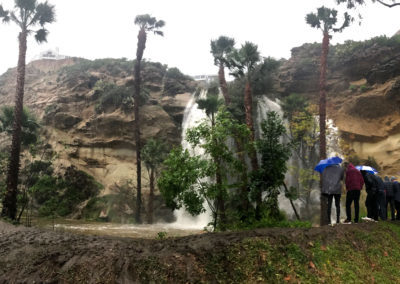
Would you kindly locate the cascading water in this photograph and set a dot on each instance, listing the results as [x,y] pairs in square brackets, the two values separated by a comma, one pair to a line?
[264,105]
[191,118]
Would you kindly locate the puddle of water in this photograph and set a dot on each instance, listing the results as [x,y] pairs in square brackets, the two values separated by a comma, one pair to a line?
[117,230]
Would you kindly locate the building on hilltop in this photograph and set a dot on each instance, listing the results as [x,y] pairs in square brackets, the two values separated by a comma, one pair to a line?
[206,78]
[53,54]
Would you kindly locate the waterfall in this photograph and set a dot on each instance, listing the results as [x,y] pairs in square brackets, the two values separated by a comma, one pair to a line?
[191,118]
[264,105]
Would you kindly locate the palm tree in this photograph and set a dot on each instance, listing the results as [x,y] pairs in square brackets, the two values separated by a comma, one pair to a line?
[242,62]
[154,153]
[146,24]
[28,15]
[325,19]
[220,49]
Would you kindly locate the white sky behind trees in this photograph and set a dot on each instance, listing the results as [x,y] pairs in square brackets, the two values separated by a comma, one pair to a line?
[105,28]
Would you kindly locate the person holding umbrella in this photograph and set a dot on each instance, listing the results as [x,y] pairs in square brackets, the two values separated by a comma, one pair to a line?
[371,186]
[332,177]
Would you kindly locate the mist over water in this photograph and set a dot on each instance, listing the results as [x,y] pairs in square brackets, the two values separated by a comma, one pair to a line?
[192,117]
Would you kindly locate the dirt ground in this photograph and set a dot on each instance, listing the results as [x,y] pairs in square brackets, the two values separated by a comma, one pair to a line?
[32,255]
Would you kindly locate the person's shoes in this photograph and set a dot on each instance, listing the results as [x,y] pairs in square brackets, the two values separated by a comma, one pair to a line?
[347,222]
[367,219]
[355,221]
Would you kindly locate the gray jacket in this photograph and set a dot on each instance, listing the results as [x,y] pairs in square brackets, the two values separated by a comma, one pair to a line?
[332,178]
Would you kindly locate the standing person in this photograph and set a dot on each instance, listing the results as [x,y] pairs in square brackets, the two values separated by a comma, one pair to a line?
[381,198]
[332,177]
[396,193]
[354,183]
[389,197]
[371,202]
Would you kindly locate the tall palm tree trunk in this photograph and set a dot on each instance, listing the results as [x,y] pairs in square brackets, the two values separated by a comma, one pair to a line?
[10,200]
[238,144]
[223,85]
[248,104]
[139,55]
[151,198]
[322,120]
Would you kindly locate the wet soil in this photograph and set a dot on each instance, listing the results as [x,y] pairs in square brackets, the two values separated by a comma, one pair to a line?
[32,255]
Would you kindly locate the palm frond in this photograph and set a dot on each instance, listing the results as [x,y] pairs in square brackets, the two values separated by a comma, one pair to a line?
[15,19]
[41,35]
[159,24]
[26,5]
[313,20]
[4,14]
[220,48]
[45,13]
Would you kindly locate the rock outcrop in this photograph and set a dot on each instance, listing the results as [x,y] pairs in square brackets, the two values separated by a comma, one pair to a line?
[363,93]
[100,142]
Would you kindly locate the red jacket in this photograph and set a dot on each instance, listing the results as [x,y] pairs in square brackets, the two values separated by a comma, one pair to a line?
[354,179]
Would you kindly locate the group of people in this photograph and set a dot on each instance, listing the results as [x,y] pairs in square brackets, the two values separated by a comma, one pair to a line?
[380,194]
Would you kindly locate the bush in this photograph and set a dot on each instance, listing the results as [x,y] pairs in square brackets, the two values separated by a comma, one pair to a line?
[60,195]
[175,82]
[111,96]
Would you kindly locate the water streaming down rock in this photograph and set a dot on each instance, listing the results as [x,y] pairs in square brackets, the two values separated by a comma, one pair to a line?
[265,105]
[192,117]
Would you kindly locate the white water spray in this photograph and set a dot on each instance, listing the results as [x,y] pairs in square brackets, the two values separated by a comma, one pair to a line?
[192,117]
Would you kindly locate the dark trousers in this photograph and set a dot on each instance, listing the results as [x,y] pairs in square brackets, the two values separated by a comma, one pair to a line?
[372,205]
[337,204]
[390,200]
[397,204]
[382,205]
[353,195]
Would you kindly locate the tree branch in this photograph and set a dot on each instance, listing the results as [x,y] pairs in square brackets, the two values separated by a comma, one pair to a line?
[388,5]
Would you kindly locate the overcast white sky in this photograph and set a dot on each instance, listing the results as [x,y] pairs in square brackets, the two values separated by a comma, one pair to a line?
[104,28]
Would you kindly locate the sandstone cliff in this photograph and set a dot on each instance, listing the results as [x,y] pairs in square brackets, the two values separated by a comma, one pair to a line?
[363,93]
[98,140]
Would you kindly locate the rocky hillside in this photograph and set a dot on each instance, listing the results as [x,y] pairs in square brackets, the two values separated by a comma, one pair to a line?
[363,93]
[86,112]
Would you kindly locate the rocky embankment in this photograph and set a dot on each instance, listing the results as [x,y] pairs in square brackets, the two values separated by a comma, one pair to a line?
[92,130]
[365,252]
[363,93]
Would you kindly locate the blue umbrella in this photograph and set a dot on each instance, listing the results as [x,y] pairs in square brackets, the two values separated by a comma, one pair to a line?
[327,162]
[367,169]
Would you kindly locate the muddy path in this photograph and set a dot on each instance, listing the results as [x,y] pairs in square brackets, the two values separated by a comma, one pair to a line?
[32,255]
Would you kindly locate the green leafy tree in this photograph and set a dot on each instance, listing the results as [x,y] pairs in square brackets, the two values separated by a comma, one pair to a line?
[274,155]
[242,63]
[146,24]
[189,181]
[181,183]
[29,125]
[211,105]
[325,20]
[154,153]
[304,134]
[28,15]
[220,49]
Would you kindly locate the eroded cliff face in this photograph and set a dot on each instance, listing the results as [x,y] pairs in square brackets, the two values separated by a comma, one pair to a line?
[363,94]
[62,95]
